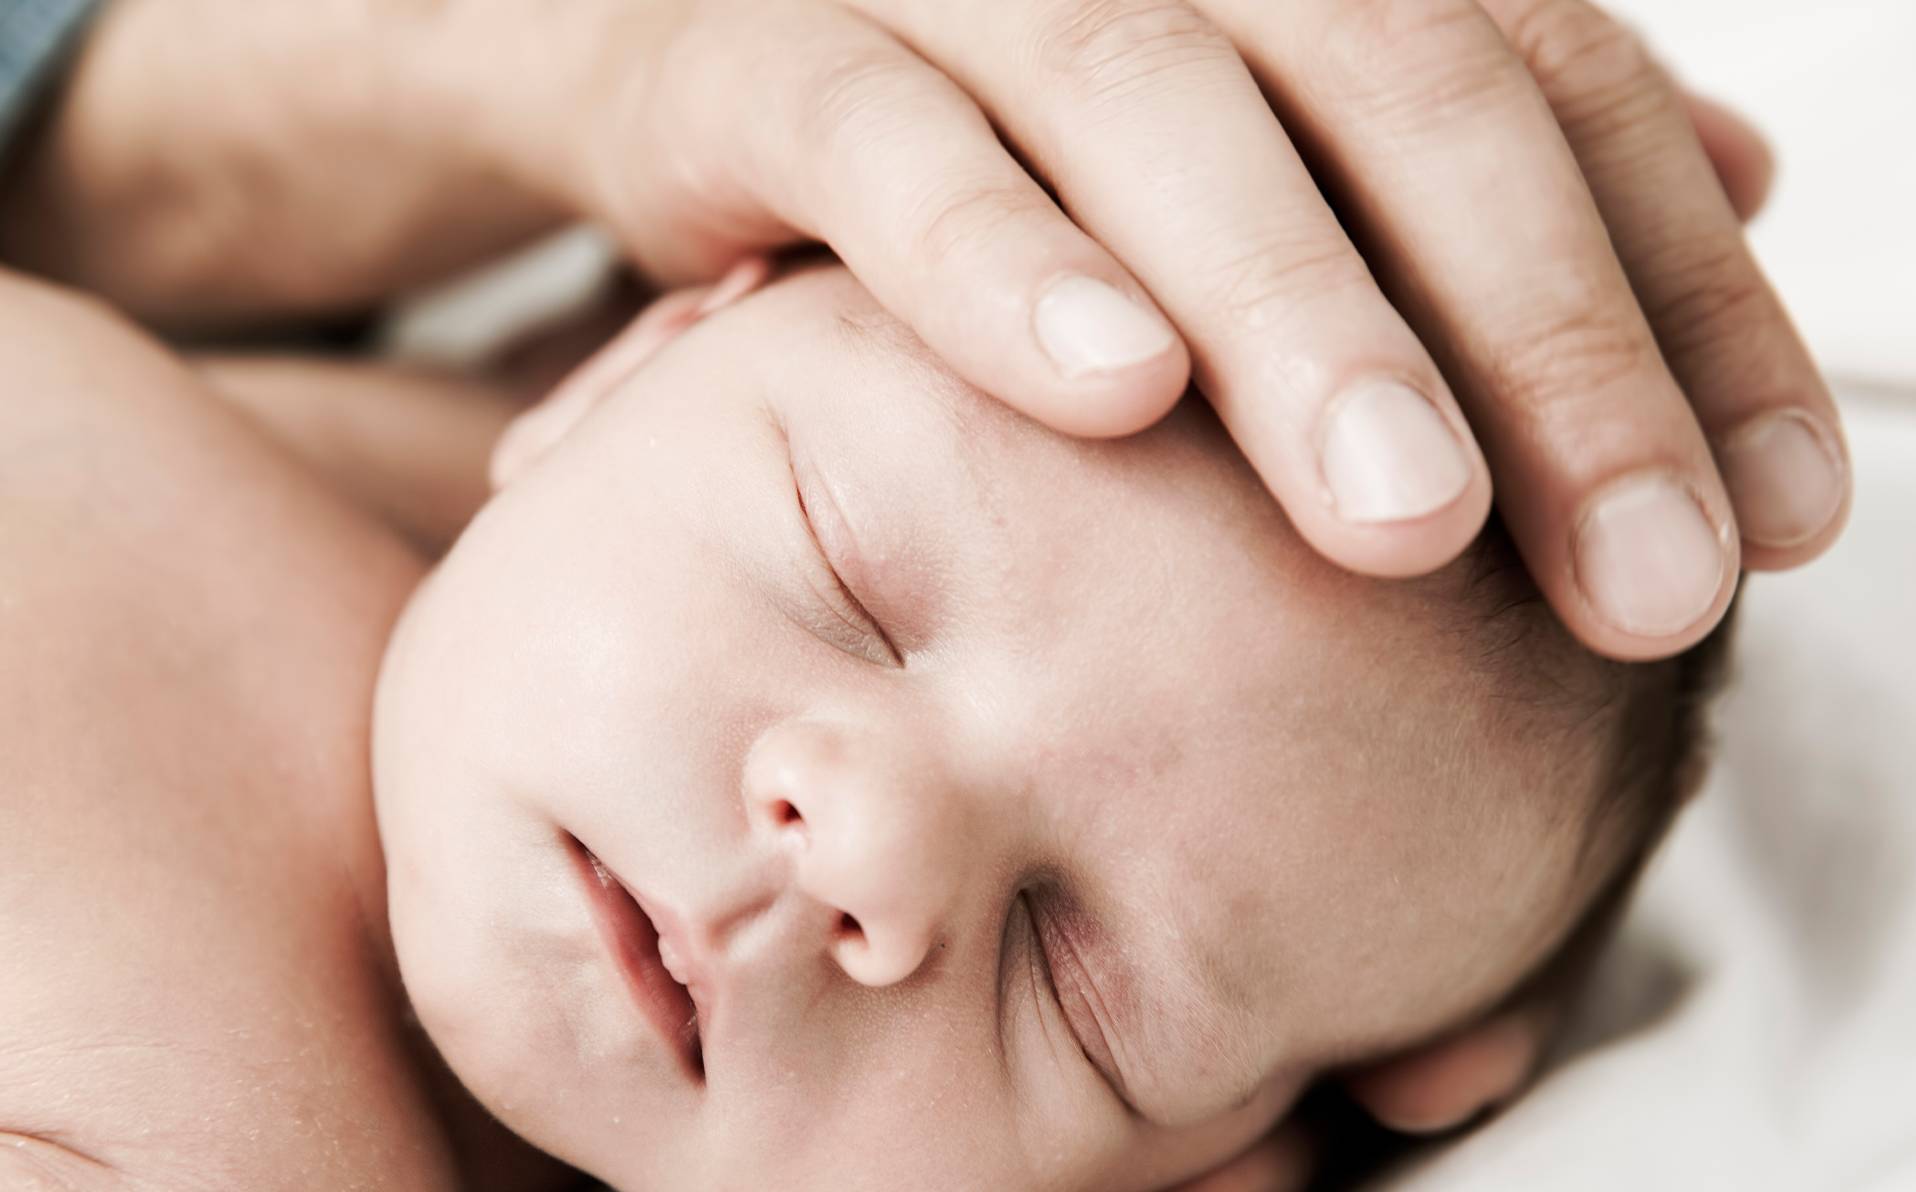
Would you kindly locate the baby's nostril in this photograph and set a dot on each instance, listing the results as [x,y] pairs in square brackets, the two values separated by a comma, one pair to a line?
[848,927]
[785,815]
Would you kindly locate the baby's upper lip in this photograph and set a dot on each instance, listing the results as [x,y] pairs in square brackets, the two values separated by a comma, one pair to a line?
[682,952]
[672,995]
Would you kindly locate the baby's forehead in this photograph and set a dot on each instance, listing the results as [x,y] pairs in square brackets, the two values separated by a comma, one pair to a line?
[880,381]
[1163,548]
[1179,495]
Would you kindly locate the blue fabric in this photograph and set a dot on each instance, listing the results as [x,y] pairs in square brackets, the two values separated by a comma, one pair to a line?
[34,38]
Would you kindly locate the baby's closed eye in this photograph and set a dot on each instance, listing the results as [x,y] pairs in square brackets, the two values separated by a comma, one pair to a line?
[830,609]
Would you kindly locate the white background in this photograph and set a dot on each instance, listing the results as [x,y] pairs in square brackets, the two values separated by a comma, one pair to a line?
[1833,84]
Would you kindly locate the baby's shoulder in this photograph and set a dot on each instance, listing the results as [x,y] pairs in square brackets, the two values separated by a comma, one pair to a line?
[192,993]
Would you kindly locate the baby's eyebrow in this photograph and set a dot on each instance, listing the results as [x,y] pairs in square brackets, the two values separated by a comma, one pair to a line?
[976,424]
[872,332]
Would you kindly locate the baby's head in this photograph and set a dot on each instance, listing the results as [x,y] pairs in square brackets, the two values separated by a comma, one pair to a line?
[1016,811]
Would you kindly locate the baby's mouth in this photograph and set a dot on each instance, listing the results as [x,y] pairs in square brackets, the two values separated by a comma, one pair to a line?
[654,969]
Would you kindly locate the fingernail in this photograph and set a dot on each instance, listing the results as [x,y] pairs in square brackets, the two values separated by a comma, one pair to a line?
[1388,455]
[1785,478]
[1648,560]
[1086,326]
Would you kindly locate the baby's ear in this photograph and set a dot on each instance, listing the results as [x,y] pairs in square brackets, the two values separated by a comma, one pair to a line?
[1445,1084]
[542,427]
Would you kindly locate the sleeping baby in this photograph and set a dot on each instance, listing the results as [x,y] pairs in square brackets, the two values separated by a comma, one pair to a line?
[806,773]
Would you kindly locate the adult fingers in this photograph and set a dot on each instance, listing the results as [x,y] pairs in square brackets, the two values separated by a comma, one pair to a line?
[1737,151]
[1142,116]
[1769,417]
[1453,172]
[884,158]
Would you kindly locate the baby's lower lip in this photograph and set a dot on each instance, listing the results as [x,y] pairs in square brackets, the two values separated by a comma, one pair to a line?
[633,940]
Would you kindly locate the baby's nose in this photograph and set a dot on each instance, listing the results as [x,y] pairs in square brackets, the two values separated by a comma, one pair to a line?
[874,831]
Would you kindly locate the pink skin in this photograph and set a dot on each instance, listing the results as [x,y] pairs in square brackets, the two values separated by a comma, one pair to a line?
[978,780]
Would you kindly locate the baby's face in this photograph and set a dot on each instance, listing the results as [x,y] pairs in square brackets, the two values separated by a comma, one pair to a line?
[1015,812]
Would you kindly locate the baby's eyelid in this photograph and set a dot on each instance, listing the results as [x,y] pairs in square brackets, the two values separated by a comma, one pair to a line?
[844,603]
[1045,931]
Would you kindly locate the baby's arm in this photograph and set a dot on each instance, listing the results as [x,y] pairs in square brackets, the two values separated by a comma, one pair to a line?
[188,631]
[409,446]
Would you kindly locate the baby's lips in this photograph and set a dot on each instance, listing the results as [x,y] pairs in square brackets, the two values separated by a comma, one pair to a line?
[673,962]
[679,952]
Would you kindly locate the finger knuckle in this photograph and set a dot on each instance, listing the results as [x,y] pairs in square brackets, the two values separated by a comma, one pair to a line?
[29,1163]
[1708,294]
[1571,358]
[1419,64]
[856,98]
[1269,285]
[1385,22]
[1580,57]
[952,223]
[1106,49]
[656,135]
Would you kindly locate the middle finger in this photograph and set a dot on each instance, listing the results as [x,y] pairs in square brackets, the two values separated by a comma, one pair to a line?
[1144,118]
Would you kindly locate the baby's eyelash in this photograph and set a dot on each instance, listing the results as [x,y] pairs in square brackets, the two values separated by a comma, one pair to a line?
[1041,929]
[866,637]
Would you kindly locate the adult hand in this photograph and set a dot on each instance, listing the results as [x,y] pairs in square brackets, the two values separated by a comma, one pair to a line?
[1522,209]
[1530,272]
